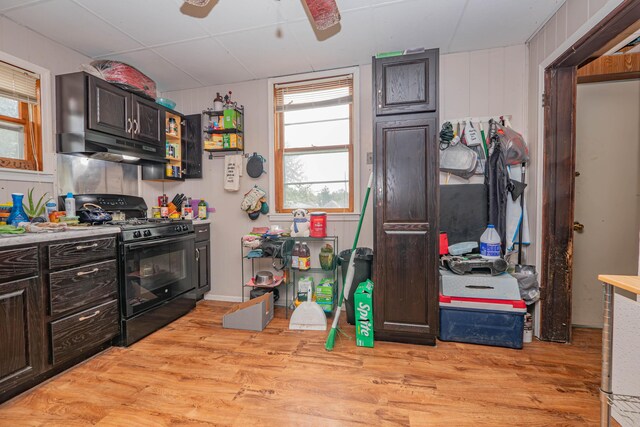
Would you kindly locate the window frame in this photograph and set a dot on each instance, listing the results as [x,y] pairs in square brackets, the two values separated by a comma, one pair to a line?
[32,154]
[277,150]
[43,125]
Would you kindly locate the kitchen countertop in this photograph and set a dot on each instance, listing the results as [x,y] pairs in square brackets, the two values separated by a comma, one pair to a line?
[7,240]
[202,221]
[628,283]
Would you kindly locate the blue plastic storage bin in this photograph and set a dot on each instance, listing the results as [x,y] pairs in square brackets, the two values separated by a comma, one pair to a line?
[478,326]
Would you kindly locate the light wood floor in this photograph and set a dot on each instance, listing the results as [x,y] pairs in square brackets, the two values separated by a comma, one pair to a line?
[193,372]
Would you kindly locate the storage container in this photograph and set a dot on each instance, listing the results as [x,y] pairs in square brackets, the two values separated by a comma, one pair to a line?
[481,309]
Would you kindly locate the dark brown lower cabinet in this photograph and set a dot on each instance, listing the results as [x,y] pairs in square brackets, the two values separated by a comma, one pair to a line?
[203,260]
[406,229]
[58,306]
[21,327]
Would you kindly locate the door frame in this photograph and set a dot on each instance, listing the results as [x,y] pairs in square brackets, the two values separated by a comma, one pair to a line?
[558,188]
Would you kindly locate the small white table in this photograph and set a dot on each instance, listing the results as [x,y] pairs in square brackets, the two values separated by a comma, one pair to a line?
[607,397]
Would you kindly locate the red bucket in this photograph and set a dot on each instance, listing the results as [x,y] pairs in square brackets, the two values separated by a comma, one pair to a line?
[318,224]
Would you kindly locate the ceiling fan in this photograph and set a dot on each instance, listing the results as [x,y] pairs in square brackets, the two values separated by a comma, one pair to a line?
[325,13]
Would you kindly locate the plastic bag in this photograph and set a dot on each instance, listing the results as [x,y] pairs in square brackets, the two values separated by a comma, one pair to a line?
[527,283]
[517,151]
[127,77]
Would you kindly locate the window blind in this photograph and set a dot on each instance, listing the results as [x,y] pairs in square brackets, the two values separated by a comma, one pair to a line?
[316,93]
[18,84]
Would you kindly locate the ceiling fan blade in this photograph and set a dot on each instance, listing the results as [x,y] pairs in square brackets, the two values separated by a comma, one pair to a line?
[325,13]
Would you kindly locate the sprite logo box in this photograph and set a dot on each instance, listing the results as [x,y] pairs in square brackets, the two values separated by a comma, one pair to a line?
[363,303]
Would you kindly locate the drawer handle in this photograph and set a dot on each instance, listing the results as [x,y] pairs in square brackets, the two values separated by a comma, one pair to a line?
[202,231]
[79,248]
[84,273]
[89,316]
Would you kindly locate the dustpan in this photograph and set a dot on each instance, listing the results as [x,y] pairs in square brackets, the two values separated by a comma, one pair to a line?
[309,316]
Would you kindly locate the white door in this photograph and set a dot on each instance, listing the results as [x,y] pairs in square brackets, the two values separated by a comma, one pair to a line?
[607,191]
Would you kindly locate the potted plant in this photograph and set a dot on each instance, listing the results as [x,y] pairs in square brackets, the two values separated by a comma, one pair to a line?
[34,210]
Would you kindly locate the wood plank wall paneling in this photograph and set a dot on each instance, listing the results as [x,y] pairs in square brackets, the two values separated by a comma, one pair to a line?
[569,19]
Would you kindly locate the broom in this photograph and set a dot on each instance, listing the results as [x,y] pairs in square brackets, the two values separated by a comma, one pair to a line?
[346,286]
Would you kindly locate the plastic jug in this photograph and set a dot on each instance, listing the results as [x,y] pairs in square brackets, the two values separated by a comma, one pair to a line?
[70,205]
[17,214]
[490,245]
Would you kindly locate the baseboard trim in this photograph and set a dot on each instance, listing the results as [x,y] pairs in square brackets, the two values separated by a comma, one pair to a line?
[226,298]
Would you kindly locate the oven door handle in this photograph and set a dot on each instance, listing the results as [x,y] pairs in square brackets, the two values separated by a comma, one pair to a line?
[133,246]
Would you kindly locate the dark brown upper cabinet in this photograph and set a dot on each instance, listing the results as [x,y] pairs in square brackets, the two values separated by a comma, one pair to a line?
[192,143]
[148,120]
[406,84]
[117,112]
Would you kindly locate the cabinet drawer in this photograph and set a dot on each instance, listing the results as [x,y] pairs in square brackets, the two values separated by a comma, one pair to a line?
[81,332]
[17,263]
[78,287]
[202,232]
[82,252]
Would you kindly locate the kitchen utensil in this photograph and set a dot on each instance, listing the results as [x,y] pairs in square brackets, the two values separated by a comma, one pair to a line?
[255,165]
[263,278]
[93,214]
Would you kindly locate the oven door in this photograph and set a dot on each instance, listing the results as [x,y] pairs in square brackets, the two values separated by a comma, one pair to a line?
[155,271]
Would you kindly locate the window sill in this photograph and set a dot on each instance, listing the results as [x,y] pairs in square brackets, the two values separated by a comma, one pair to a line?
[336,217]
[7,174]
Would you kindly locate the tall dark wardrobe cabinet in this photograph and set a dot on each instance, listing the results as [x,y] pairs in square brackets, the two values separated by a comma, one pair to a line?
[405,119]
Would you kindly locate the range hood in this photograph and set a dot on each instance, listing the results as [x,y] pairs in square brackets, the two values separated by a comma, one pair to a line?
[99,146]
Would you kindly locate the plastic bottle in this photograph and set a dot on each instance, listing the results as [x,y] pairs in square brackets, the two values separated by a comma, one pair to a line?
[490,243]
[202,209]
[51,206]
[304,259]
[164,208]
[295,256]
[70,205]
[17,214]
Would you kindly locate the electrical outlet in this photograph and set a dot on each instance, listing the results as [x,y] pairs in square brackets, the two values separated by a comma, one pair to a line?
[369,158]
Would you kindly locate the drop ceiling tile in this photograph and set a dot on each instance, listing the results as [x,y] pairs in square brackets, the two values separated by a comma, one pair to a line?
[352,44]
[10,4]
[265,53]
[296,9]
[166,75]
[207,61]
[228,16]
[417,23]
[155,22]
[71,25]
[496,23]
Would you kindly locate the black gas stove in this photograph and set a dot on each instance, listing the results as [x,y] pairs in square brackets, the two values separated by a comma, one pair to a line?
[156,265]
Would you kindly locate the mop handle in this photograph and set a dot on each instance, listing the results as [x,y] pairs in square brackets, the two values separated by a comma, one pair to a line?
[364,208]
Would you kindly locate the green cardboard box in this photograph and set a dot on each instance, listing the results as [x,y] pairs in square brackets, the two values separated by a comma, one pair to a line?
[363,303]
[325,295]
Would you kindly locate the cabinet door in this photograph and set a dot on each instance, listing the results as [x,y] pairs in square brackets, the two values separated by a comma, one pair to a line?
[203,260]
[406,201]
[21,333]
[192,146]
[148,120]
[109,108]
[407,83]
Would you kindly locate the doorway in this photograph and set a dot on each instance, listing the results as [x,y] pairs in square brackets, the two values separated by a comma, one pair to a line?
[559,166]
[607,188]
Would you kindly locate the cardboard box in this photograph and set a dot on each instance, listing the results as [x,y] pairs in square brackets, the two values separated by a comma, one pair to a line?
[216,142]
[232,119]
[325,295]
[252,315]
[363,303]
[232,140]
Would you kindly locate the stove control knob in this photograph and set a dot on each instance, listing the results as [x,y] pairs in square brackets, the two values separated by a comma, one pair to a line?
[178,228]
[147,233]
[137,234]
[185,228]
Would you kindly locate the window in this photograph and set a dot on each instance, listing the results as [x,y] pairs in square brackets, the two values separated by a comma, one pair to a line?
[20,129]
[313,144]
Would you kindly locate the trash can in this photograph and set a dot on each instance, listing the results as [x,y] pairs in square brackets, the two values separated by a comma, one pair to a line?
[363,263]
